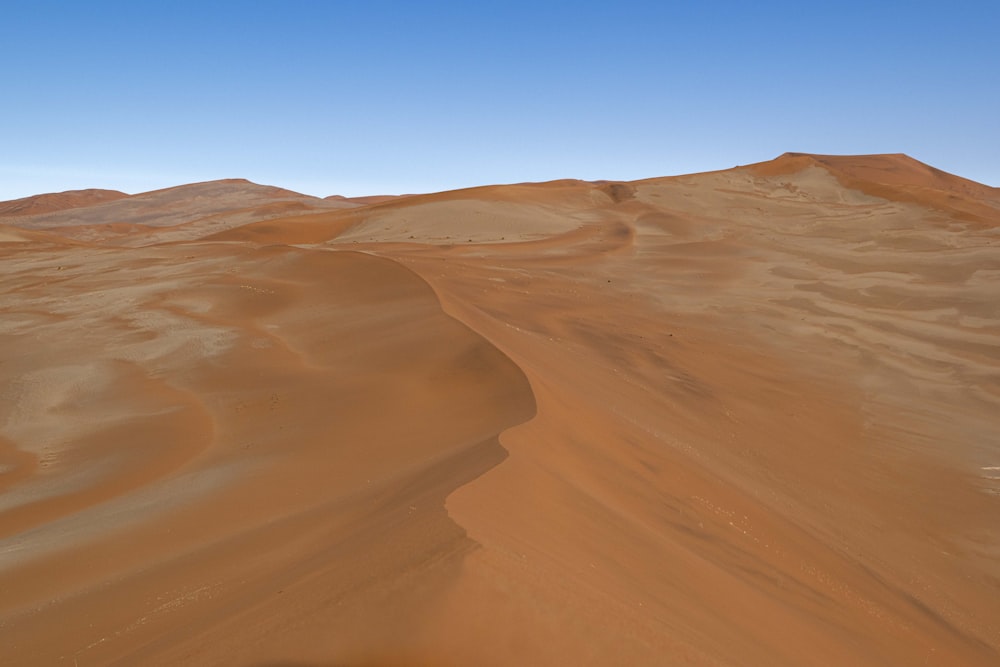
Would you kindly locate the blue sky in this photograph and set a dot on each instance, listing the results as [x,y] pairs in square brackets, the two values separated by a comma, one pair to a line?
[361,98]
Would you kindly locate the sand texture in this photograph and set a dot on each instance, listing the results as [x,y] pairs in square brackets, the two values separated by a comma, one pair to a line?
[746,417]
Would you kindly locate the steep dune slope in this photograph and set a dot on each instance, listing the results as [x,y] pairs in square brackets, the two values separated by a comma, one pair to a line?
[766,412]
[745,417]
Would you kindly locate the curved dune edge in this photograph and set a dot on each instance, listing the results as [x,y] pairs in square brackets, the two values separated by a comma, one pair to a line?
[335,406]
[708,481]
[612,534]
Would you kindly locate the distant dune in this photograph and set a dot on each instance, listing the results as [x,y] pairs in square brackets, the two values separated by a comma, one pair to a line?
[179,213]
[743,417]
[901,178]
[372,199]
[50,203]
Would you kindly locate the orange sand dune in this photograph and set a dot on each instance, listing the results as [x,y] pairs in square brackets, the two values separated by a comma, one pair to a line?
[59,201]
[182,213]
[901,178]
[745,417]
[170,207]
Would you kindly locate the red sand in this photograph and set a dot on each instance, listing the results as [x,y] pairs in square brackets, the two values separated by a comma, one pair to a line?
[745,417]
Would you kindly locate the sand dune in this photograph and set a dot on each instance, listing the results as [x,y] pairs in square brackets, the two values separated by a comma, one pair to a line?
[179,213]
[58,201]
[746,417]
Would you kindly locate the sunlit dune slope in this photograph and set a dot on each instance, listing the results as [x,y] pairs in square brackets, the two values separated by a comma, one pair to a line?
[745,417]
[900,178]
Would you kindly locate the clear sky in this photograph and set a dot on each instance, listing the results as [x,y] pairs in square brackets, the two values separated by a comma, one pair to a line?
[369,97]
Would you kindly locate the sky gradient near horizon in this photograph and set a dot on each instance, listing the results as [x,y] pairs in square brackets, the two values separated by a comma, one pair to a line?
[390,97]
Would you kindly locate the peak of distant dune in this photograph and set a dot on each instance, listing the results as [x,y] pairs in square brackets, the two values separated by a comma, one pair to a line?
[896,177]
[227,187]
[58,201]
[792,161]
[896,169]
[178,205]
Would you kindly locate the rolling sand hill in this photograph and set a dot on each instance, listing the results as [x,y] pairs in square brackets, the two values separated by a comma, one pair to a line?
[179,213]
[58,201]
[746,417]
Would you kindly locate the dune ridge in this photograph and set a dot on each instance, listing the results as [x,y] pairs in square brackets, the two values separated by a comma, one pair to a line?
[59,201]
[744,417]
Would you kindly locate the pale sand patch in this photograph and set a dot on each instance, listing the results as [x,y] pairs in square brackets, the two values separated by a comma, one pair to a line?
[462,221]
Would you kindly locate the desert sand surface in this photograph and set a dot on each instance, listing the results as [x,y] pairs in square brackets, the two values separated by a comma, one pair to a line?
[746,417]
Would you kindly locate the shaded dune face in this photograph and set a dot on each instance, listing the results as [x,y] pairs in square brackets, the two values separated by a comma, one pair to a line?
[745,417]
